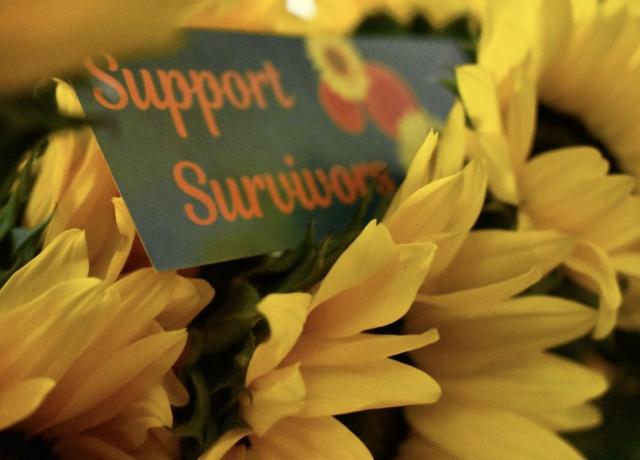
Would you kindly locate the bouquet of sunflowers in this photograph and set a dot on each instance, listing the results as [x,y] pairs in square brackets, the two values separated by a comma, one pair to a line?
[490,310]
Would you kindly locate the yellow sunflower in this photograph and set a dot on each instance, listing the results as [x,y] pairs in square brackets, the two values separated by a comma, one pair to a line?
[310,17]
[568,190]
[340,66]
[438,13]
[85,363]
[503,396]
[582,56]
[319,361]
[74,180]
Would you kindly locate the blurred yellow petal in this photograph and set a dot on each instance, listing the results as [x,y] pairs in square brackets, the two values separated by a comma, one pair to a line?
[580,417]
[493,149]
[521,122]
[417,174]
[451,148]
[477,90]
[592,268]
[286,314]
[335,390]
[41,39]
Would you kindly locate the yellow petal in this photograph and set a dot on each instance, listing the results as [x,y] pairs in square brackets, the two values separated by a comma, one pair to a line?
[286,314]
[35,28]
[471,339]
[580,417]
[491,256]
[21,399]
[591,267]
[113,255]
[116,382]
[484,433]
[479,96]
[541,175]
[333,390]
[493,149]
[47,335]
[540,383]
[620,228]
[451,148]
[505,41]
[417,174]
[322,438]
[627,263]
[274,396]
[521,121]
[377,301]
[63,260]
[358,349]
[130,428]
[86,201]
[224,444]
[450,204]
[188,298]
[479,296]
[371,251]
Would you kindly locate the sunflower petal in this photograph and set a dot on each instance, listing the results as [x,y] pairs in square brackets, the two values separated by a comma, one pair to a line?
[286,314]
[20,400]
[358,349]
[377,301]
[333,390]
[63,260]
[540,383]
[369,253]
[304,438]
[491,256]
[591,267]
[488,433]
[507,330]
[277,395]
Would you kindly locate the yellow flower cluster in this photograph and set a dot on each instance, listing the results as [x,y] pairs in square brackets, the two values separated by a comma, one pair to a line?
[92,333]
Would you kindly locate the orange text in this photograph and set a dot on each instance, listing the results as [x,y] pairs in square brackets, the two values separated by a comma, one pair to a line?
[175,91]
[243,197]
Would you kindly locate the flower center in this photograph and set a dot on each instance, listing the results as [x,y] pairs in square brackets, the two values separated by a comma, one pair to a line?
[556,130]
[337,61]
